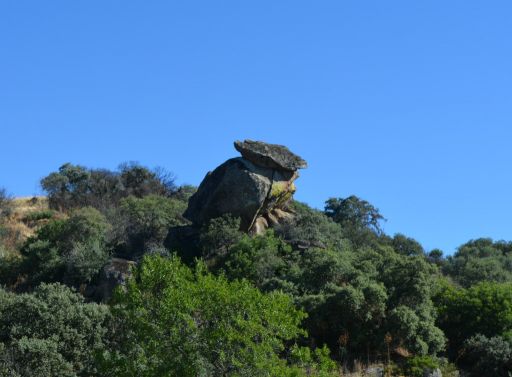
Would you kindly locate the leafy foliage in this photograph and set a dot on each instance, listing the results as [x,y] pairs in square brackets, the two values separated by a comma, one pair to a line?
[485,356]
[485,308]
[481,260]
[312,363]
[417,365]
[358,293]
[311,228]
[50,333]
[143,223]
[361,294]
[74,186]
[70,250]
[213,327]
[359,220]
[219,235]
[39,215]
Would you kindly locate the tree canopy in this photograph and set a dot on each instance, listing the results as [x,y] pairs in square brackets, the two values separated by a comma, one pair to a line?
[320,292]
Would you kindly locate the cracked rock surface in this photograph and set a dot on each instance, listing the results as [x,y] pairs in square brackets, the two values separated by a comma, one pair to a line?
[272,156]
[255,187]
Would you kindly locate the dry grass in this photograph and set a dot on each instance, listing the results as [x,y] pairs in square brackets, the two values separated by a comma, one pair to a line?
[17,230]
[23,206]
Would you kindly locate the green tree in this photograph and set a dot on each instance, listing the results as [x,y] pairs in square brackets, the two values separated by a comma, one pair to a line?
[417,365]
[485,308]
[181,322]
[359,220]
[140,181]
[75,186]
[435,256]
[67,187]
[485,356]
[143,223]
[218,236]
[261,259]
[310,228]
[406,246]
[480,260]
[410,311]
[51,332]
[72,250]
[360,294]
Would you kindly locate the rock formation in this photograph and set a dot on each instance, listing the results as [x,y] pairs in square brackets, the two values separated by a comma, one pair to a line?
[114,273]
[255,187]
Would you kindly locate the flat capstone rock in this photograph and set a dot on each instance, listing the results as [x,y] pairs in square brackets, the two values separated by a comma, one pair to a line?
[273,156]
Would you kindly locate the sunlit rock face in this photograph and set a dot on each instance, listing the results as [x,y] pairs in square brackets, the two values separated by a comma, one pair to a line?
[255,187]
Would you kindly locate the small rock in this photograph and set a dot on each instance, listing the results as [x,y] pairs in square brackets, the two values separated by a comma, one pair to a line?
[260,225]
[115,273]
[432,373]
[375,372]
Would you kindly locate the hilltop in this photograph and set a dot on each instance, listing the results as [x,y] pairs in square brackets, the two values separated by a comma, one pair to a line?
[123,272]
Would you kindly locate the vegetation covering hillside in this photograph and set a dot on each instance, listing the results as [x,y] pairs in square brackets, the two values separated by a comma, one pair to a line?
[324,293]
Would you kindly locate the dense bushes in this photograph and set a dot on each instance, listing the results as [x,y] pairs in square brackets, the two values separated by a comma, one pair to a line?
[74,186]
[50,333]
[142,224]
[311,228]
[481,260]
[485,308]
[360,294]
[322,286]
[182,322]
[359,220]
[483,356]
[70,250]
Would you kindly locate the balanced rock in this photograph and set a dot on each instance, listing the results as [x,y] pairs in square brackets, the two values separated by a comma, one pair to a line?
[272,156]
[256,187]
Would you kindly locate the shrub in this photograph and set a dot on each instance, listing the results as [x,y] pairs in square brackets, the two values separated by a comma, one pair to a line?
[359,220]
[310,228]
[50,333]
[485,308]
[38,216]
[480,260]
[219,235]
[484,356]
[70,251]
[5,204]
[74,186]
[182,322]
[316,363]
[417,365]
[143,223]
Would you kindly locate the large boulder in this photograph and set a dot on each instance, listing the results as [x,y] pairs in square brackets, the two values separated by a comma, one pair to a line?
[256,187]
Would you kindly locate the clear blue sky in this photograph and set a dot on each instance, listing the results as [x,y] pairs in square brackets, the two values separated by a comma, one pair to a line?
[407,104]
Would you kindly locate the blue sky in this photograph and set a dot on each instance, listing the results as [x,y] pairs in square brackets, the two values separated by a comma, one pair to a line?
[406,104]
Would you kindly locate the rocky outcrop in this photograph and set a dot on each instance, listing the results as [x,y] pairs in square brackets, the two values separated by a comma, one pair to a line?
[115,273]
[255,187]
